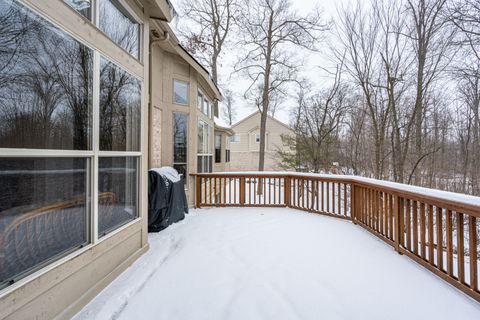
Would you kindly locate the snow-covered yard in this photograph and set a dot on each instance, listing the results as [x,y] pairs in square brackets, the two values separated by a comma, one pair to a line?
[274,264]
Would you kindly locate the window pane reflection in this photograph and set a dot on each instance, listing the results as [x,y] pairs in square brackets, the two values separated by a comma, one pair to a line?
[45,84]
[118,196]
[120,103]
[180,92]
[119,26]
[84,7]
[43,212]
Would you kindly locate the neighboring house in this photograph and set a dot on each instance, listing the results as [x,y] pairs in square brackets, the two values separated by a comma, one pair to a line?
[92,95]
[222,148]
[245,143]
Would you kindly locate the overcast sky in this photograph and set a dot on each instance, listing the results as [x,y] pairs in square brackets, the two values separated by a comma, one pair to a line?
[312,67]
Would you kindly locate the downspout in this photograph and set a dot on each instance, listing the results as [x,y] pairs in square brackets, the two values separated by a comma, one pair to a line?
[155,40]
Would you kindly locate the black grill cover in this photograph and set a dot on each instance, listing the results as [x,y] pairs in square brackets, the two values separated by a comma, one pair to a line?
[167,201]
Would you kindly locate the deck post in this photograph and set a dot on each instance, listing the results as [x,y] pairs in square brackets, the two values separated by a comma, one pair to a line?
[198,192]
[286,191]
[398,225]
[242,191]
[353,203]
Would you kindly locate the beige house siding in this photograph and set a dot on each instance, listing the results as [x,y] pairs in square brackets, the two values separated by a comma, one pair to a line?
[245,153]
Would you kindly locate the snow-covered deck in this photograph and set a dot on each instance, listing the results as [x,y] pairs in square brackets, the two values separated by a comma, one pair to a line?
[260,263]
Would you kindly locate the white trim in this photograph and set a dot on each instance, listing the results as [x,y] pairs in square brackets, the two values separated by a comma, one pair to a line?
[116,154]
[44,153]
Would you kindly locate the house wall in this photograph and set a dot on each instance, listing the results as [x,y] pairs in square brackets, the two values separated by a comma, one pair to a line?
[167,66]
[64,286]
[245,153]
[223,166]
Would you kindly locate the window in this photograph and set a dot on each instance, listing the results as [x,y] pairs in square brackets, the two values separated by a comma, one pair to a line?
[257,138]
[180,143]
[84,7]
[235,138]
[218,148]
[117,192]
[180,92]
[44,211]
[45,84]
[204,105]
[227,155]
[120,103]
[119,26]
[48,101]
[204,148]
[200,102]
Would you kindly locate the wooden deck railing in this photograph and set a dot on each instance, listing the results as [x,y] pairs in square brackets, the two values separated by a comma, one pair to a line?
[438,230]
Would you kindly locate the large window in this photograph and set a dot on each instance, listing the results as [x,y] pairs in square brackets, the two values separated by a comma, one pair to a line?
[120,101]
[218,148]
[204,148]
[118,24]
[44,212]
[117,192]
[49,107]
[180,92]
[45,84]
[180,143]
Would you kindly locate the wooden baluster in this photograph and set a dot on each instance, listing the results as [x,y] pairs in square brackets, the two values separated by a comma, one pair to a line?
[328,196]
[391,216]
[449,231]
[439,238]
[430,236]
[235,190]
[339,197]
[398,222]
[415,227]
[333,197]
[473,252]
[323,197]
[423,250]
[460,248]
[408,224]
[345,209]
[380,212]
[242,191]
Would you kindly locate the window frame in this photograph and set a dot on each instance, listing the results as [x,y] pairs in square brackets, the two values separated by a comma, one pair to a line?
[187,136]
[129,64]
[207,133]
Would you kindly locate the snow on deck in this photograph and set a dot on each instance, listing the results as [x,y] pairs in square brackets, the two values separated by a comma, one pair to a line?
[274,264]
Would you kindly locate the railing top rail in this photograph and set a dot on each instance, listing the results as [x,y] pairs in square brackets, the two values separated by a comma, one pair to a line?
[450,200]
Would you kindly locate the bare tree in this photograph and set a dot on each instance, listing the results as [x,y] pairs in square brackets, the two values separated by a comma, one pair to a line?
[271,30]
[431,39]
[229,113]
[214,20]
[317,122]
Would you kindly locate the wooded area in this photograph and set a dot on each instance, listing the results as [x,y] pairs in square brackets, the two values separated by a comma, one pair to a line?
[404,97]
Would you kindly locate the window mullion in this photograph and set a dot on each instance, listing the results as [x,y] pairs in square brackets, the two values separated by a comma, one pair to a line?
[96,139]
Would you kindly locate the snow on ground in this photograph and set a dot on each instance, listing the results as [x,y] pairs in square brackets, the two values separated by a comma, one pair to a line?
[274,264]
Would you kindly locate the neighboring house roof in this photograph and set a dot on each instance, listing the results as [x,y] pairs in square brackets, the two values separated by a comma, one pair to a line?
[258,113]
[179,50]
